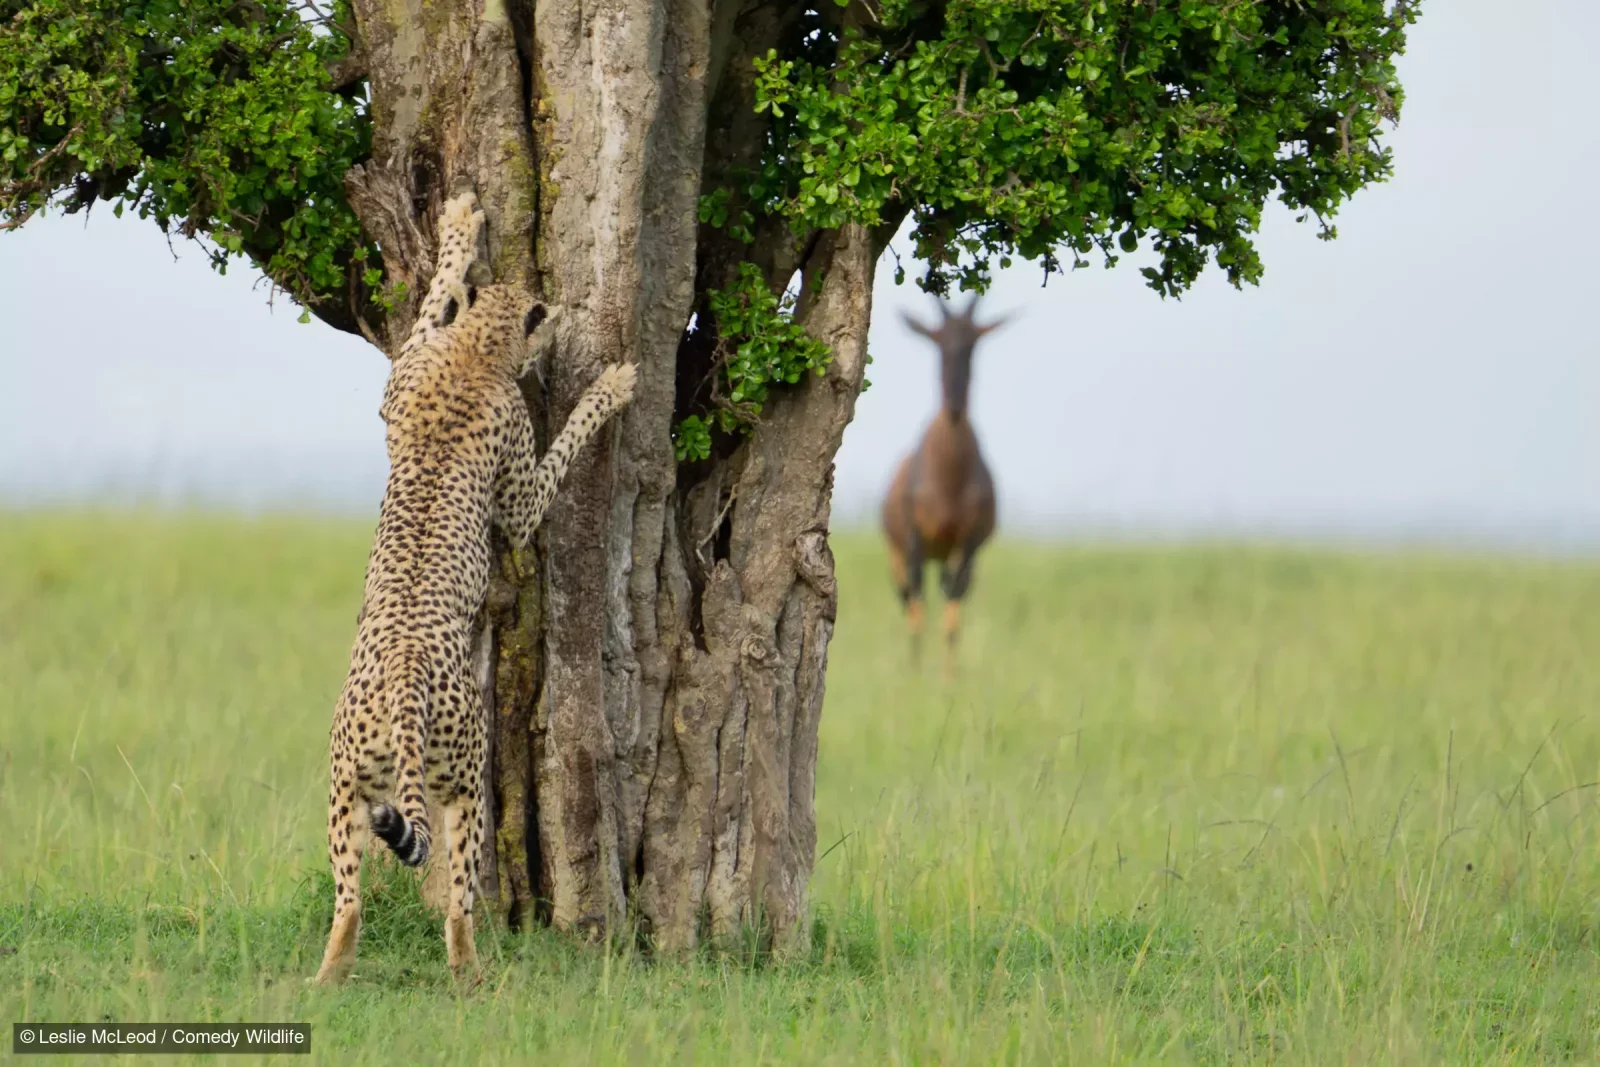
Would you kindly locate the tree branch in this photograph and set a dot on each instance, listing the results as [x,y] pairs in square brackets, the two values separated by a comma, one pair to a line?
[348,72]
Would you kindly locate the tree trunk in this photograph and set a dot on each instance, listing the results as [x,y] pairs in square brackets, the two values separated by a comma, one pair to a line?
[656,664]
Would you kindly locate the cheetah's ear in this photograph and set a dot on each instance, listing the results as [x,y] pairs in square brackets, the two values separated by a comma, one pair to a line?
[541,340]
[536,315]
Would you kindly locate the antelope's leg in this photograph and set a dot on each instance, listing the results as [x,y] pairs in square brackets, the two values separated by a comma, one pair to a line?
[906,563]
[956,578]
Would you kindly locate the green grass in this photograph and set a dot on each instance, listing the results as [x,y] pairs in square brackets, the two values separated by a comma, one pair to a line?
[1187,805]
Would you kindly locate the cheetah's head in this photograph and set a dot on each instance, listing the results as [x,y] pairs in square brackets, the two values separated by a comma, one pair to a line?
[507,315]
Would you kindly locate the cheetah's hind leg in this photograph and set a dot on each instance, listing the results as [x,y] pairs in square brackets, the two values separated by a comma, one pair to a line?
[464,823]
[347,839]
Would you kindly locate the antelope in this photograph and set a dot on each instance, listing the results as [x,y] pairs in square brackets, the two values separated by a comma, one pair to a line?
[940,505]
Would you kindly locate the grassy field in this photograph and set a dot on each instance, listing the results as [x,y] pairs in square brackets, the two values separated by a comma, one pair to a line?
[1198,805]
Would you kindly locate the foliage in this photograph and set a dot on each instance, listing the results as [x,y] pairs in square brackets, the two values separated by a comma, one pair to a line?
[1210,806]
[691,439]
[214,115]
[1029,127]
[759,345]
[1008,128]
[1033,129]
[716,208]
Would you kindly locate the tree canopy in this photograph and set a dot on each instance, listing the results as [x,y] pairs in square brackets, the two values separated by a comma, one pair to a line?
[1044,130]
[219,117]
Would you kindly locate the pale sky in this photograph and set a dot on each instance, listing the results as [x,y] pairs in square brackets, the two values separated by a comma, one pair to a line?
[1430,374]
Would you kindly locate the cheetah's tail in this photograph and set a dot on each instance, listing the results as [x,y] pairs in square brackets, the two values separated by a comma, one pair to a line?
[404,827]
[407,838]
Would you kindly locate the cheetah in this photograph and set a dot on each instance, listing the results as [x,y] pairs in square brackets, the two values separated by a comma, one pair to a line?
[409,723]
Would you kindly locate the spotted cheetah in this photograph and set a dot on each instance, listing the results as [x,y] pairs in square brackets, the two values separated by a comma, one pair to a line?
[410,721]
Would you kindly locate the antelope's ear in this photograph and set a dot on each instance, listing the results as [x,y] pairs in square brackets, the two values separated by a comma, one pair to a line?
[988,327]
[918,326]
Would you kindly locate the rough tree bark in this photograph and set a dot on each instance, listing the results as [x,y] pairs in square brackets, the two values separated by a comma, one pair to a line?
[656,665]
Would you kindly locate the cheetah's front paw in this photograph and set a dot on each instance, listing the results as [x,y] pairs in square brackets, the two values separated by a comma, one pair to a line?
[461,214]
[618,381]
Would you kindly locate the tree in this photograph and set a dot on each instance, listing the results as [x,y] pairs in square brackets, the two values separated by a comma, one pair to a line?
[703,187]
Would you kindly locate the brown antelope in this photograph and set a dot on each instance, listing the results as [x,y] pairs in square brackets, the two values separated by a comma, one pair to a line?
[940,505]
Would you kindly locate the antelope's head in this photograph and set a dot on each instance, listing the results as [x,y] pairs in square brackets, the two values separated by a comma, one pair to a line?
[956,335]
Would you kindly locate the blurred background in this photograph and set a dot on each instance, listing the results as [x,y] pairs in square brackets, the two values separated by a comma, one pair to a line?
[1429,376]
